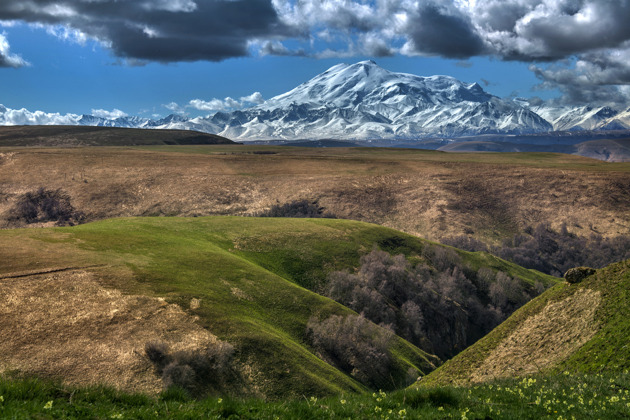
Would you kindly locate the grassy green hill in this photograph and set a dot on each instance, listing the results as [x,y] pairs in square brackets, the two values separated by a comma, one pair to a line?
[86,299]
[573,328]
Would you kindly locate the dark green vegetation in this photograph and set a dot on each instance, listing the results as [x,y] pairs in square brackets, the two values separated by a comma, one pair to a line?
[559,396]
[59,135]
[580,328]
[250,278]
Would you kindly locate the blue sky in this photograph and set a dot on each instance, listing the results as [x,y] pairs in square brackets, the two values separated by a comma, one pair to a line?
[74,56]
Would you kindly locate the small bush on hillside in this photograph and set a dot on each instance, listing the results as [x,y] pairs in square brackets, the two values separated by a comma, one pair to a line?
[355,345]
[45,206]
[298,208]
[196,371]
[577,274]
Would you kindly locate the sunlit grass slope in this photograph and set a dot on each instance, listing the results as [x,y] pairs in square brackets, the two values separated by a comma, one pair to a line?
[574,328]
[250,277]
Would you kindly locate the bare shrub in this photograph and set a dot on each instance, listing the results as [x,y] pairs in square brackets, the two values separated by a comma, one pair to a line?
[182,376]
[45,206]
[467,243]
[158,354]
[554,252]
[298,208]
[355,345]
[196,371]
[442,309]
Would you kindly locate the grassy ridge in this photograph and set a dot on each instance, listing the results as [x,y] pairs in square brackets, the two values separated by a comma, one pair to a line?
[250,276]
[606,350]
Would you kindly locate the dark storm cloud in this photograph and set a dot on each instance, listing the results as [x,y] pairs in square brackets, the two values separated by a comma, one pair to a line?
[576,28]
[435,30]
[160,30]
[595,78]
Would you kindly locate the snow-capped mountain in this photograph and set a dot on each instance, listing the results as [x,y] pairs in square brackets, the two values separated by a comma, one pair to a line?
[126,122]
[575,118]
[365,101]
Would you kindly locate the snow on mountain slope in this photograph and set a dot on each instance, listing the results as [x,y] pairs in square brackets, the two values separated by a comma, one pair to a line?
[576,118]
[363,100]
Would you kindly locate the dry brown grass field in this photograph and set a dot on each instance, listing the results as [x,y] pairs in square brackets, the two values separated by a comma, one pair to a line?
[432,194]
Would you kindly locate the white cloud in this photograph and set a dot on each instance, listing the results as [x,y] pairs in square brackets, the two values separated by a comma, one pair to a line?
[7,59]
[174,107]
[254,98]
[110,115]
[23,116]
[227,104]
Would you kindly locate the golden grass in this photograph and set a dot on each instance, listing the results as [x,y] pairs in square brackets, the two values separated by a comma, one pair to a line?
[427,193]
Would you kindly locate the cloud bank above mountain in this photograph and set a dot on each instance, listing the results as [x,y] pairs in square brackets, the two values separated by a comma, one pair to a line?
[578,46]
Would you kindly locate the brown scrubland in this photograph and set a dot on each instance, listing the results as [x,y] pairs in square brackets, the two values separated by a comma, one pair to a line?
[431,194]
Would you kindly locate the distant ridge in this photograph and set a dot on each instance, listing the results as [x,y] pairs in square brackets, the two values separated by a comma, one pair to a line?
[609,150]
[67,136]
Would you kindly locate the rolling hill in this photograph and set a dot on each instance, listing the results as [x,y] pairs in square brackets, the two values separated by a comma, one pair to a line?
[81,303]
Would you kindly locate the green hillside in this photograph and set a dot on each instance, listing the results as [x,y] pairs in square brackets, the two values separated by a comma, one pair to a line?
[571,328]
[248,277]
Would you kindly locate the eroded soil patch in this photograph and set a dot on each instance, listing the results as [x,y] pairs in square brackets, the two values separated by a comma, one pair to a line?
[66,325]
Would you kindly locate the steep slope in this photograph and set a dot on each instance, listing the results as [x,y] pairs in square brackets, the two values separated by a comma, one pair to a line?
[579,327]
[82,302]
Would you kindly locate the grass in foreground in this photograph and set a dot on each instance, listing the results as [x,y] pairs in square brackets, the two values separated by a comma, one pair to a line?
[564,396]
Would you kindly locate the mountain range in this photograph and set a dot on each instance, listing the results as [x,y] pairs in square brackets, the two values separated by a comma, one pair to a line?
[363,101]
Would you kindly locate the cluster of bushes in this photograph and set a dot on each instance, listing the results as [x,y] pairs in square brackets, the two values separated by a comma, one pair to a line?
[442,308]
[553,252]
[45,206]
[354,345]
[196,371]
[297,208]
